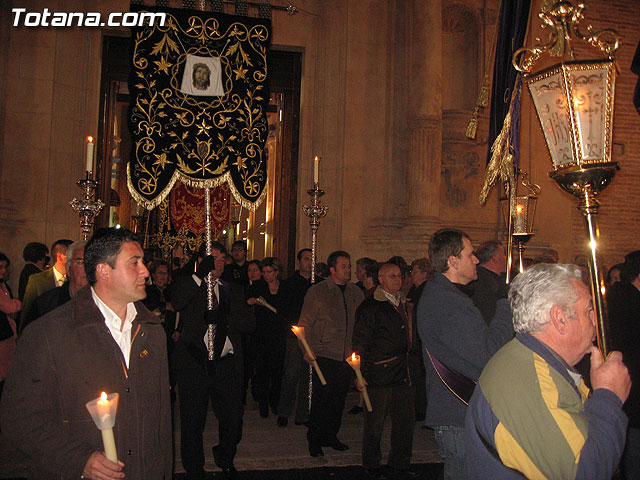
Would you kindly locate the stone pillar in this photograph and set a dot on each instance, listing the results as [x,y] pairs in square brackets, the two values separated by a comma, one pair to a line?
[425,108]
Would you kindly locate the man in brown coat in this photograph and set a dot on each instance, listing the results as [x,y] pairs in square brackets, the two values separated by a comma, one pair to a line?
[328,314]
[104,339]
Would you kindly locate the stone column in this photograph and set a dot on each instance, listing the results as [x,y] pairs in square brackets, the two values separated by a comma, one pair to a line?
[425,108]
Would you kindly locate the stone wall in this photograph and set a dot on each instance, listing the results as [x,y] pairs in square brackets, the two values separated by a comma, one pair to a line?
[376,104]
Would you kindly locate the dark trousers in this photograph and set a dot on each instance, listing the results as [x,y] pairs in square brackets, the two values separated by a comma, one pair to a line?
[418,377]
[631,455]
[295,382]
[327,402]
[196,389]
[269,361]
[398,402]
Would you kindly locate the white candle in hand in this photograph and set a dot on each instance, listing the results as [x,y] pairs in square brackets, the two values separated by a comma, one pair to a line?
[108,439]
[299,332]
[354,361]
[103,411]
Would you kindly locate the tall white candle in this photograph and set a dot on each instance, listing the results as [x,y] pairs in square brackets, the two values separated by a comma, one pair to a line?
[90,147]
[316,169]
[103,412]
[354,361]
[108,439]
[299,332]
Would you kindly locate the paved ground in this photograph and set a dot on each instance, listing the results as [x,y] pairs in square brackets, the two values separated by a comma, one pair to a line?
[266,446]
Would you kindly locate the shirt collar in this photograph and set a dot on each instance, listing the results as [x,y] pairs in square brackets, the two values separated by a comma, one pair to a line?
[110,318]
[381,295]
[58,276]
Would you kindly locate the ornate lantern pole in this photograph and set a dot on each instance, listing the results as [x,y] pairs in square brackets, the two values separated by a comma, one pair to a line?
[315,212]
[574,103]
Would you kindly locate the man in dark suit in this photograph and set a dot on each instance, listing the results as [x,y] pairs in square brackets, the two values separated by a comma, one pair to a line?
[200,379]
[47,280]
[623,298]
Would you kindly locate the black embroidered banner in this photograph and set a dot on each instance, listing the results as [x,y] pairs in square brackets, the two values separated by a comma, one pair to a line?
[198,90]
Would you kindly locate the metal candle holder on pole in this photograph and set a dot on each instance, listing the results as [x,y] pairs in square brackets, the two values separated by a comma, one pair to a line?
[315,212]
[88,207]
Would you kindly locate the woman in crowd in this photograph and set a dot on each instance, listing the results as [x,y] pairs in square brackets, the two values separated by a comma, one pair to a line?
[248,340]
[9,306]
[159,302]
[254,272]
[269,337]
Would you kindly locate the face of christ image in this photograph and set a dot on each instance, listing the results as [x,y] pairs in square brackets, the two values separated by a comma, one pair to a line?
[201,76]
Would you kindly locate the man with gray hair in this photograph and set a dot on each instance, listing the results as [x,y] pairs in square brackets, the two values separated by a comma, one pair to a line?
[531,414]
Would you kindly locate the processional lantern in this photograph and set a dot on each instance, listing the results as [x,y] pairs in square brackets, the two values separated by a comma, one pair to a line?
[522,217]
[574,103]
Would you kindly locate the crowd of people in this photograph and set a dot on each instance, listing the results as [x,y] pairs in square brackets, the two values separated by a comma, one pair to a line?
[489,367]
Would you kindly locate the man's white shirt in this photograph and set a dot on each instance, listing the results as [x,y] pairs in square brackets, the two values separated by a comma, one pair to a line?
[113,323]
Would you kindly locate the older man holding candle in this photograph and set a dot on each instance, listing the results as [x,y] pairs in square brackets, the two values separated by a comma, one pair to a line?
[103,339]
[383,335]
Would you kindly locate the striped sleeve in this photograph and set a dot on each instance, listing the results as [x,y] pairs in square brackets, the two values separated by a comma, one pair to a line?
[544,429]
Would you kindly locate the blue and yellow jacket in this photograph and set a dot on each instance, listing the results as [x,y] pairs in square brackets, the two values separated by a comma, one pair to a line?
[528,419]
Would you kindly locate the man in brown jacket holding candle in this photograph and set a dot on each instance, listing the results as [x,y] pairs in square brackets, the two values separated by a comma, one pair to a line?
[103,339]
[328,314]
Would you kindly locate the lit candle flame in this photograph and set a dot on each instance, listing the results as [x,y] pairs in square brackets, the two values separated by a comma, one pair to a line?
[89,139]
[353,356]
[103,398]
[294,328]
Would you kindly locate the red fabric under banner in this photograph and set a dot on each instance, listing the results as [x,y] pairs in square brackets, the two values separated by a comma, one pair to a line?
[187,208]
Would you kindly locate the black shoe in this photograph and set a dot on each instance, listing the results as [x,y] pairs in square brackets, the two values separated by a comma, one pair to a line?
[264,410]
[356,409]
[230,473]
[315,450]
[339,446]
[375,473]
[283,421]
[403,473]
[201,475]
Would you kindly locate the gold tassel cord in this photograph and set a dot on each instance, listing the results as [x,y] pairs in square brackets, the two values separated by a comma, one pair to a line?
[473,125]
[483,96]
[501,163]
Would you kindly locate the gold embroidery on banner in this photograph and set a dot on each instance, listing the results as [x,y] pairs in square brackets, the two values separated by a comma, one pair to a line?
[203,161]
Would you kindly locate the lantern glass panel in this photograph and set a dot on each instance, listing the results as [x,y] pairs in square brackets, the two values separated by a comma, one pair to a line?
[549,98]
[524,213]
[590,100]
